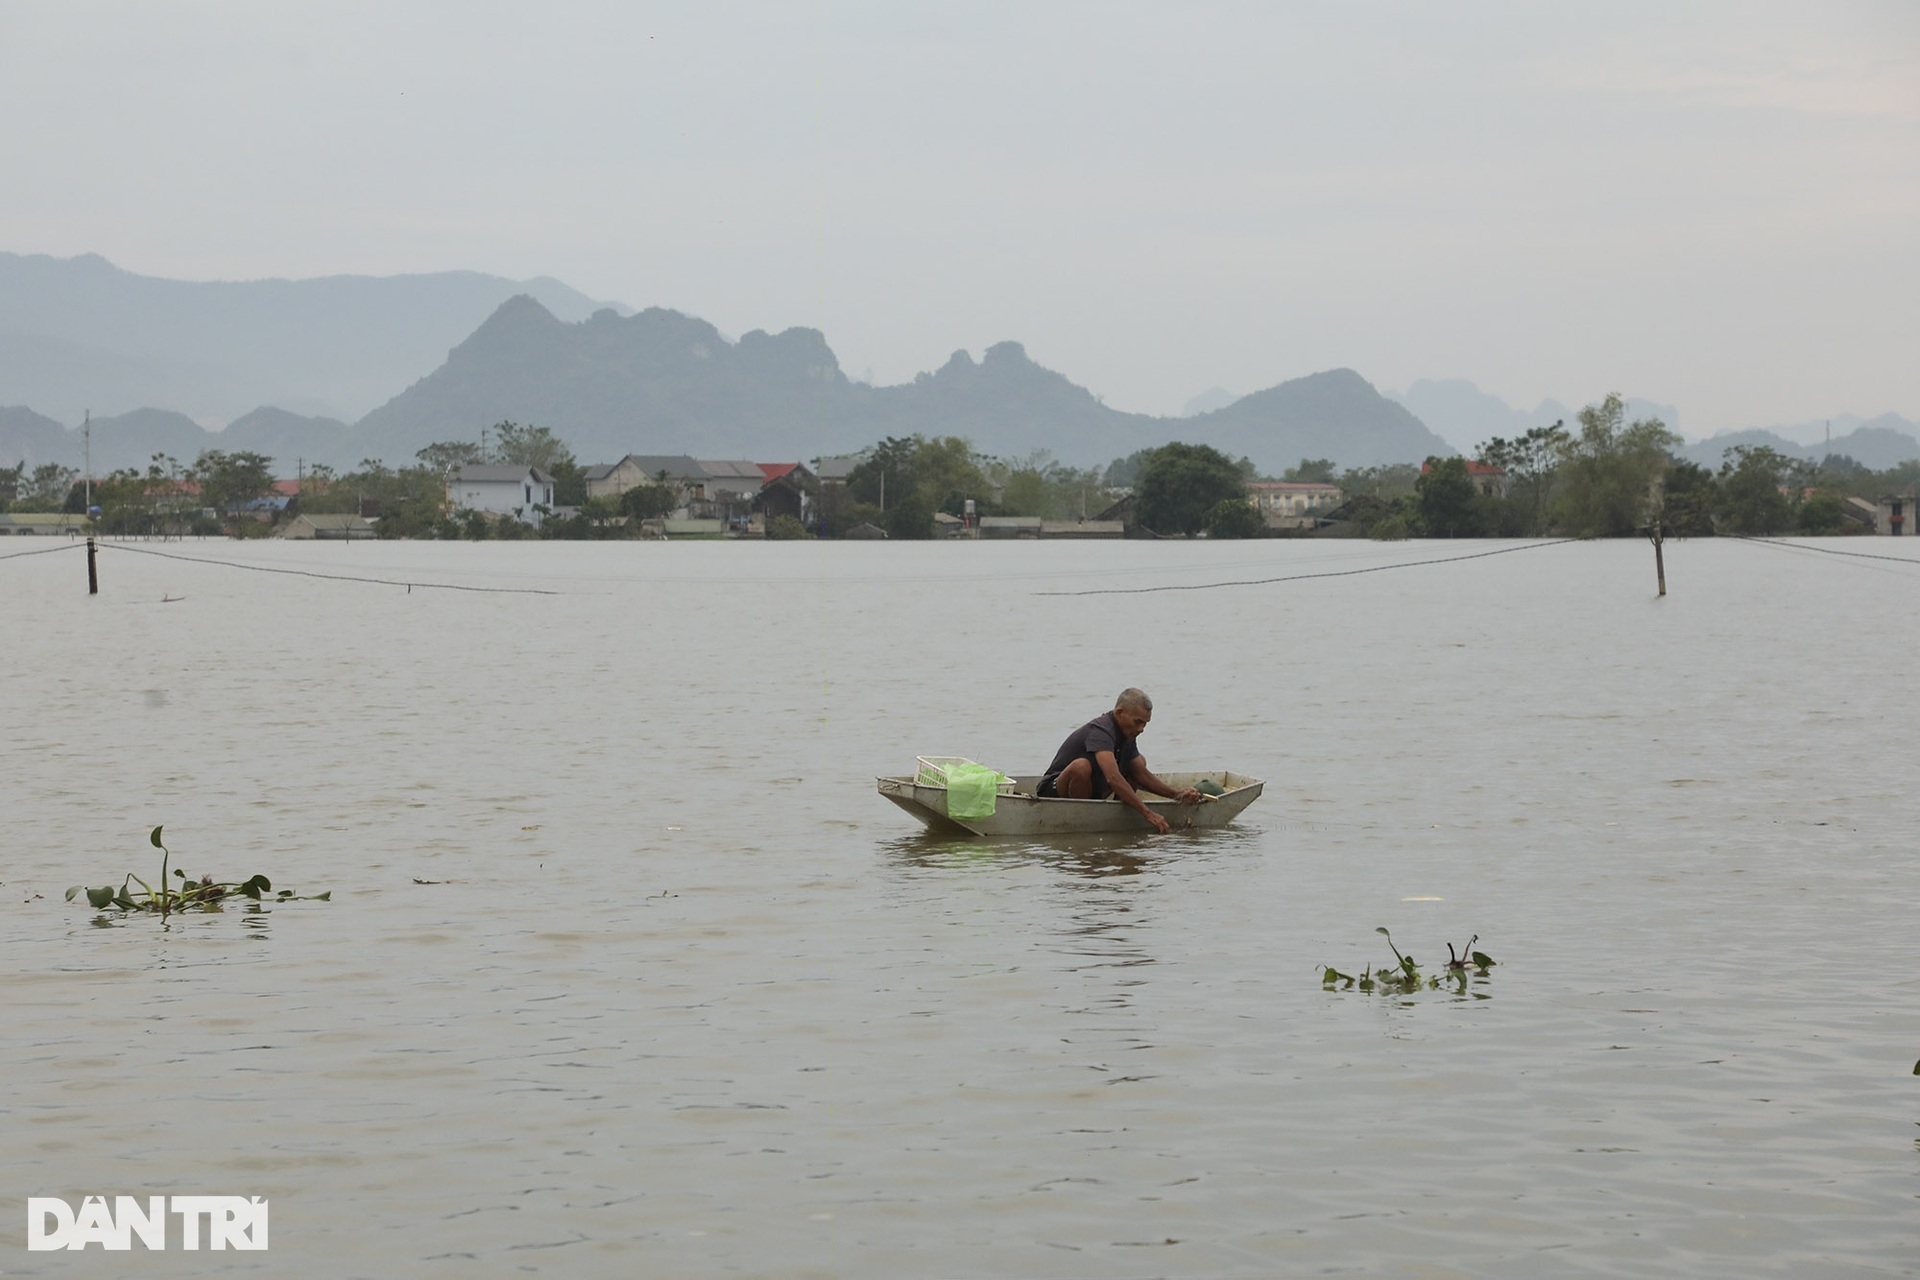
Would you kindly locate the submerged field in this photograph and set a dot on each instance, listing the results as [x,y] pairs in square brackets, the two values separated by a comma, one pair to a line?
[627,970]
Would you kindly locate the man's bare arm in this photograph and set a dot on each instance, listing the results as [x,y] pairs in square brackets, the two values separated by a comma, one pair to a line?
[1147,780]
[1118,783]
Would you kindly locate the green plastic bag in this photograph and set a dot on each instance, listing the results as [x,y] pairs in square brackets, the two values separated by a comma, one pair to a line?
[971,790]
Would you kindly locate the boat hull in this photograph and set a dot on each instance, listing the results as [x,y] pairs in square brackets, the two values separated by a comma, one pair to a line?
[1021,813]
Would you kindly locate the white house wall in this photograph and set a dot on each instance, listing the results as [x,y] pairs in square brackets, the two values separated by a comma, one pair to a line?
[503,499]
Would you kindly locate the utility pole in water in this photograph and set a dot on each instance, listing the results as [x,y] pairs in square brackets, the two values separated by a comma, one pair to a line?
[1656,530]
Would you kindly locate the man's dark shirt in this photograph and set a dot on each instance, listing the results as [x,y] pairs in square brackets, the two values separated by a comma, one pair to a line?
[1097,735]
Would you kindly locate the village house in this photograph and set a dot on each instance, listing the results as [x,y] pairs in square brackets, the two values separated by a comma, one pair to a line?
[521,492]
[611,479]
[787,490]
[727,491]
[31,524]
[835,470]
[706,489]
[1009,526]
[687,477]
[328,528]
[1083,529]
[1287,504]
[1894,516]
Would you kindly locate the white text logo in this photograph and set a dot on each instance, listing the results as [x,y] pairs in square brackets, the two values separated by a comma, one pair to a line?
[232,1222]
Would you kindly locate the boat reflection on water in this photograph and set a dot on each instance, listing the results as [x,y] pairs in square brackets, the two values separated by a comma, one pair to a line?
[1099,854]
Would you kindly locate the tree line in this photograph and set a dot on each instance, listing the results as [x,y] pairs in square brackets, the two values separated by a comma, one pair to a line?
[1606,477]
[1612,478]
[224,492]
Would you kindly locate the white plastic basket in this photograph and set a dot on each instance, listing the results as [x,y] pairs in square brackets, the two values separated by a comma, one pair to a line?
[931,771]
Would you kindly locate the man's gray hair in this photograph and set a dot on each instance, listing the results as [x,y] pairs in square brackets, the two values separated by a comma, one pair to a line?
[1133,700]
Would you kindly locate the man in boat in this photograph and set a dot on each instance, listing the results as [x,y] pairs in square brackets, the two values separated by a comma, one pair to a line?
[1102,758]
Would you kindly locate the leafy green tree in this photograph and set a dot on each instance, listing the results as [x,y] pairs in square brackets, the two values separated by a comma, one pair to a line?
[125,508]
[650,501]
[1821,514]
[1751,480]
[229,481]
[929,474]
[1077,494]
[414,519]
[603,508]
[528,446]
[10,478]
[1026,493]
[443,456]
[46,489]
[569,484]
[786,528]
[1037,485]
[531,446]
[1447,502]
[911,519]
[946,473]
[886,472]
[1235,518]
[1310,471]
[1687,500]
[1610,473]
[838,511]
[1532,463]
[1125,473]
[1903,478]
[1182,483]
[1395,527]
[408,503]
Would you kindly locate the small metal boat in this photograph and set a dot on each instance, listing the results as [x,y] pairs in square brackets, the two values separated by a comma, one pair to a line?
[1019,812]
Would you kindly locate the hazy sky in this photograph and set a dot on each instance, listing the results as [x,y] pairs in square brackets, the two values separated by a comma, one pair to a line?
[1714,205]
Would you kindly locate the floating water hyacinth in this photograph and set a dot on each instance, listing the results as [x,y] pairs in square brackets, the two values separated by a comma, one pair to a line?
[204,894]
[1405,976]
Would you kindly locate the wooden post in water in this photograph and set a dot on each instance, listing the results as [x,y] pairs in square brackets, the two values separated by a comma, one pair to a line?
[1659,560]
[93,571]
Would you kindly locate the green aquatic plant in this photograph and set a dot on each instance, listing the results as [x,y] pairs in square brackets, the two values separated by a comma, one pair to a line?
[1405,976]
[204,894]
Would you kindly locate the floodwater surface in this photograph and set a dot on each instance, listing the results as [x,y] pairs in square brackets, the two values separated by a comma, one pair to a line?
[628,971]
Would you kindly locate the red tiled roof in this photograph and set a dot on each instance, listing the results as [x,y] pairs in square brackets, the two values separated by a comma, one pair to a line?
[774,470]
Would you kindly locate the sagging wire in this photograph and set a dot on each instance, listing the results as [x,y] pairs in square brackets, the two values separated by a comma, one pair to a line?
[1298,577]
[334,577]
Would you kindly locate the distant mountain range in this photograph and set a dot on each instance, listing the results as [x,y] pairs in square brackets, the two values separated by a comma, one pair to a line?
[661,382]
[322,359]
[80,333]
